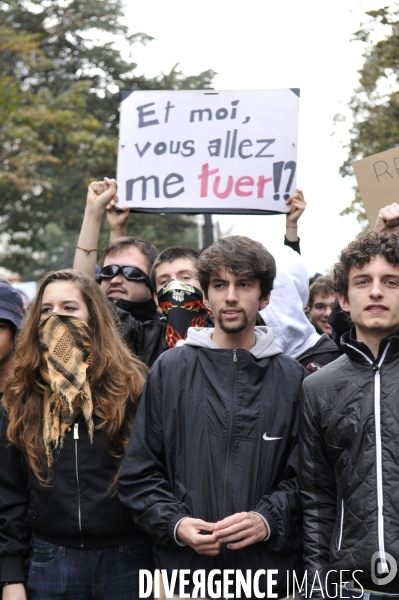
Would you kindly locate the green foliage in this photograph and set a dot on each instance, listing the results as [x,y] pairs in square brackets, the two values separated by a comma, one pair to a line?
[61,76]
[375,104]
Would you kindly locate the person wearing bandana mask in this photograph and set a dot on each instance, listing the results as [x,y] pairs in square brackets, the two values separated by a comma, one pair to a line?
[175,277]
[125,273]
[183,307]
[64,425]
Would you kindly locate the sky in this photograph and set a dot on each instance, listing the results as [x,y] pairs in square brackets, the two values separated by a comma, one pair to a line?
[260,44]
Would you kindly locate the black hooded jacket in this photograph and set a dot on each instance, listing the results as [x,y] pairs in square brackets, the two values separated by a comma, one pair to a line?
[215,434]
[319,355]
[146,340]
[350,461]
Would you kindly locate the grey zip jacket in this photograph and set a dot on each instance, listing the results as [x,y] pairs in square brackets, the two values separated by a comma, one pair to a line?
[349,436]
[215,434]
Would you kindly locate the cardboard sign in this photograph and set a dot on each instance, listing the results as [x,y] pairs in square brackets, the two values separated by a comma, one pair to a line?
[378,181]
[202,151]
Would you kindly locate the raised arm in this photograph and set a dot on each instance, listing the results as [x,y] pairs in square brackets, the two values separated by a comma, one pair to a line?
[388,219]
[99,195]
[296,205]
[117,219]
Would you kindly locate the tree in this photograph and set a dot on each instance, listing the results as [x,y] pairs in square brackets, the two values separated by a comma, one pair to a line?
[61,80]
[375,105]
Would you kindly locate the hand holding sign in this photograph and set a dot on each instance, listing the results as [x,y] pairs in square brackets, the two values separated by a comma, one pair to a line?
[198,152]
[296,205]
[378,180]
[117,217]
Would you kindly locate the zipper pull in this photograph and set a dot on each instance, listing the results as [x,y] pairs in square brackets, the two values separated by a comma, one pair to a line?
[234,355]
[76,431]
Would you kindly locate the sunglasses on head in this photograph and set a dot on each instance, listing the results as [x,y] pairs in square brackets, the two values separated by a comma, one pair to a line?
[129,273]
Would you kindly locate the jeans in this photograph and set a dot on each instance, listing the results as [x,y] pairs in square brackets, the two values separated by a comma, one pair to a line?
[87,574]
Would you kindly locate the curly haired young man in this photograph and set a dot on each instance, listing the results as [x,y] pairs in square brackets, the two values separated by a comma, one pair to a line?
[349,433]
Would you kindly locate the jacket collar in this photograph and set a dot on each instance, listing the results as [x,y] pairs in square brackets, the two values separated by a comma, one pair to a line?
[352,348]
[142,311]
[265,345]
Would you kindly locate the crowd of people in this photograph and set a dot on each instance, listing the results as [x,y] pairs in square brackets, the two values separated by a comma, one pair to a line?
[204,416]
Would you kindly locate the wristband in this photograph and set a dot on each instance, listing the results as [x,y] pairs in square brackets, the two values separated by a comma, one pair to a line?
[87,250]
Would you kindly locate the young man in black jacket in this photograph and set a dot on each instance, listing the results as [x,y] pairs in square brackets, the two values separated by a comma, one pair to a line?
[349,432]
[211,468]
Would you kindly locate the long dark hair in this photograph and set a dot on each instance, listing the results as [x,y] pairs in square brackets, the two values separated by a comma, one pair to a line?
[115,377]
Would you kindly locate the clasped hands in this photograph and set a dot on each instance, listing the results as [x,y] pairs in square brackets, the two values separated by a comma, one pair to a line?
[237,531]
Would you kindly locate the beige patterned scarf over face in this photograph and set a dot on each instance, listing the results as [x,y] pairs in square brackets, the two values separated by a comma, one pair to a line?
[66,354]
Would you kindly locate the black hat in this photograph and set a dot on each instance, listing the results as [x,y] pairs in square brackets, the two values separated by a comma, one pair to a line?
[11,305]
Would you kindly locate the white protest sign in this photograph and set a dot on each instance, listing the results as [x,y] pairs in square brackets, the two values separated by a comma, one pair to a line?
[203,151]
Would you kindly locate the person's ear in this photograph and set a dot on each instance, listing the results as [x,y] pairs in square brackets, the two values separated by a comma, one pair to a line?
[155,296]
[344,303]
[206,302]
[263,302]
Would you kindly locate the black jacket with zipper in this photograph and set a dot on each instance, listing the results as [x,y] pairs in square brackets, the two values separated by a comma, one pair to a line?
[349,461]
[146,340]
[215,434]
[78,510]
[319,355]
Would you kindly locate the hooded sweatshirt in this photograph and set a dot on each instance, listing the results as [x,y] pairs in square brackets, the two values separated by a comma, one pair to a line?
[215,434]
[265,345]
[293,333]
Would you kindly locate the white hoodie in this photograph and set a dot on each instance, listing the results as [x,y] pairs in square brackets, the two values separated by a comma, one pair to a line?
[292,330]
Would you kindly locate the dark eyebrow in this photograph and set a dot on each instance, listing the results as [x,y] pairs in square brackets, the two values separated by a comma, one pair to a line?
[394,275]
[186,271]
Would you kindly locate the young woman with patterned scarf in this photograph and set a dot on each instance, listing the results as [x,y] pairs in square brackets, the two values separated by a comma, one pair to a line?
[64,425]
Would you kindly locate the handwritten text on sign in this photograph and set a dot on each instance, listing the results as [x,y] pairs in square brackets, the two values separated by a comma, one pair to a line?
[196,151]
[378,180]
